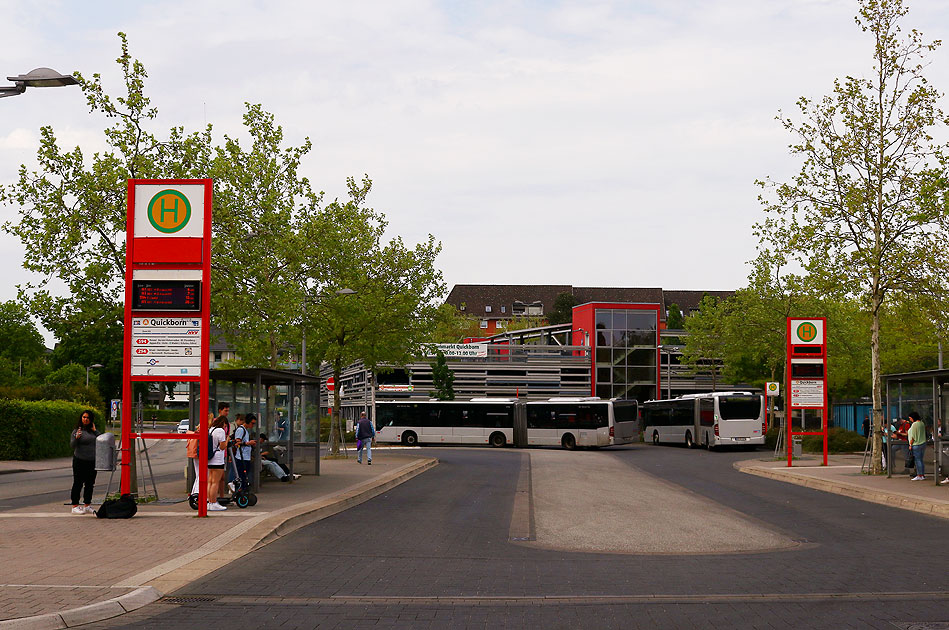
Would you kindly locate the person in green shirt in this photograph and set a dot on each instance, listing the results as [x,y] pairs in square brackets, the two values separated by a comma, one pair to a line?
[916,436]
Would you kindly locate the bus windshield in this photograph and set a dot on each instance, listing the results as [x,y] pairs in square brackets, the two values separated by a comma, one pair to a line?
[739,407]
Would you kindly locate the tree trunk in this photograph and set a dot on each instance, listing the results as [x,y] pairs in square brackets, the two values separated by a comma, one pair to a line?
[875,369]
[336,430]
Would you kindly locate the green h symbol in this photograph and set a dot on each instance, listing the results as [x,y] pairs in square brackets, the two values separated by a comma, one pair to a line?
[165,210]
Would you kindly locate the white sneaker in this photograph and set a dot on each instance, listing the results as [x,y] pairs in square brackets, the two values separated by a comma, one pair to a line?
[230,485]
[78,510]
[88,510]
[216,507]
[296,476]
[944,481]
[918,478]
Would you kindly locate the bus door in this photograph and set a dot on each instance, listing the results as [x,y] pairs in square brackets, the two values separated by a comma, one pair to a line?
[739,417]
[593,425]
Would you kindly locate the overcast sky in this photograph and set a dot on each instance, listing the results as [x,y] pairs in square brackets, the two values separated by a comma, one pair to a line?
[585,143]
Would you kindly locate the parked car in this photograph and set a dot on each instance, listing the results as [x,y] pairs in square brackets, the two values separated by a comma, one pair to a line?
[183,425]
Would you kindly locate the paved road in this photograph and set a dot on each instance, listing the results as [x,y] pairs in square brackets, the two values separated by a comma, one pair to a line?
[436,552]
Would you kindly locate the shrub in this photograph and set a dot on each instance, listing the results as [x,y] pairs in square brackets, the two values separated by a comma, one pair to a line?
[838,441]
[40,429]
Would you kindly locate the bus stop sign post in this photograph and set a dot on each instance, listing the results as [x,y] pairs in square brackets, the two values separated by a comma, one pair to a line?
[807,375]
[167,303]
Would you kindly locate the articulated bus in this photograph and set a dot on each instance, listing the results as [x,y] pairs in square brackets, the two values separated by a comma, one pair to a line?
[566,422]
[709,420]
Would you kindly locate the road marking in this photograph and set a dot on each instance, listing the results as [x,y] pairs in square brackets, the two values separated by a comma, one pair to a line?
[557,600]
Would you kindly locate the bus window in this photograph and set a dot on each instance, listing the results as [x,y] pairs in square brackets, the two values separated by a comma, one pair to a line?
[706,412]
[739,407]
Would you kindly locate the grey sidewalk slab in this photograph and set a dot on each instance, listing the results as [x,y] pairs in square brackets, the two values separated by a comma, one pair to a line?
[842,476]
[54,579]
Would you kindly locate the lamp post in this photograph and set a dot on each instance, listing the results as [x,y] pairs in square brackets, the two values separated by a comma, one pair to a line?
[39,77]
[94,365]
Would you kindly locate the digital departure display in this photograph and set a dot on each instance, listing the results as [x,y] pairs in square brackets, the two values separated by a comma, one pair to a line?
[166,295]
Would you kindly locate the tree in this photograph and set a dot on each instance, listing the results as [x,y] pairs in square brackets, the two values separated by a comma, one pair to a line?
[397,290]
[706,343]
[19,338]
[562,312]
[452,326]
[674,320]
[73,209]
[867,210]
[262,209]
[443,378]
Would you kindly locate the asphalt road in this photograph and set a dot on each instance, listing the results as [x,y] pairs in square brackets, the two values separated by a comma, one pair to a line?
[437,552]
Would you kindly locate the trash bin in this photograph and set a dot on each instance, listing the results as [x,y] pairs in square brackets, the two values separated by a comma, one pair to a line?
[105,452]
[796,445]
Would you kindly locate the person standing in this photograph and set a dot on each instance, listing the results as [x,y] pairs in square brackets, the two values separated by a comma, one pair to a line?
[916,436]
[365,433]
[83,443]
[218,440]
[244,448]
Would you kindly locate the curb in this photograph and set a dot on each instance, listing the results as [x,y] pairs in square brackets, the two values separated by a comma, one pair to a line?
[923,506]
[151,585]
[87,614]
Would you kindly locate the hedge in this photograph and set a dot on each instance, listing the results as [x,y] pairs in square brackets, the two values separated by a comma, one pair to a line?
[839,440]
[40,429]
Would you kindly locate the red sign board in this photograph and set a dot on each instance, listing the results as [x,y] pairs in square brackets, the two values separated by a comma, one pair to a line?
[167,298]
[807,374]
[330,384]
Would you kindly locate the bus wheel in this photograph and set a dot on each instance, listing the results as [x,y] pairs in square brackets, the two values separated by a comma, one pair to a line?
[497,440]
[655,438]
[409,438]
[569,442]
[689,442]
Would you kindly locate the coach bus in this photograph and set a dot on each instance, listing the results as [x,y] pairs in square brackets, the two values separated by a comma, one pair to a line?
[566,422]
[709,420]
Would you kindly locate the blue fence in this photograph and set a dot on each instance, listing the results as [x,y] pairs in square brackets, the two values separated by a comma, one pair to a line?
[850,415]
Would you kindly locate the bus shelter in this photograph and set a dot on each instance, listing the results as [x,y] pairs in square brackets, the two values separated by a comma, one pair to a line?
[926,392]
[286,405]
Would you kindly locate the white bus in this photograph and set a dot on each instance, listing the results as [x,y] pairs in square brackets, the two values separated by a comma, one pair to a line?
[566,422]
[709,420]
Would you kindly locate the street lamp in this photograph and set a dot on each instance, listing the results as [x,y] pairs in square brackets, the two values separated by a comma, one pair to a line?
[39,77]
[94,365]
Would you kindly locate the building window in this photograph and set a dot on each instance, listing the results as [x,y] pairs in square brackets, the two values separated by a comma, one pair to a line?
[503,309]
[462,307]
[502,323]
[536,308]
[217,357]
[487,309]
[484,323]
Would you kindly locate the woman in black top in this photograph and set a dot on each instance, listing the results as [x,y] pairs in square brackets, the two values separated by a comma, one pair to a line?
[83,442]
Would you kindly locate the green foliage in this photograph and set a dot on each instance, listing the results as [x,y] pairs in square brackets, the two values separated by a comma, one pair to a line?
[264,214]
[19,338]
[838,441]
[674,319]
[39,430]
[562,312]
[451,326]
[443,378]
[70,374]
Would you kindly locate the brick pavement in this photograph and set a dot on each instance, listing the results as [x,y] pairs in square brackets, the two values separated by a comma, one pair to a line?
[54,561]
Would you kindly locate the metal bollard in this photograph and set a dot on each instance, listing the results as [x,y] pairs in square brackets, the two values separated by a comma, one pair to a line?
[105,452]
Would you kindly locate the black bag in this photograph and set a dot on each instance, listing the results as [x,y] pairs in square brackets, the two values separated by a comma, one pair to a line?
[123,507]
[910,460]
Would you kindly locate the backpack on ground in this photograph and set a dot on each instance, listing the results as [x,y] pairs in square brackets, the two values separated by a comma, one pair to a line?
[123,507]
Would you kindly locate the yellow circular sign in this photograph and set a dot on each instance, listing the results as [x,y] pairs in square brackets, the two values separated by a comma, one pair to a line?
[169,211]
[807,332]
